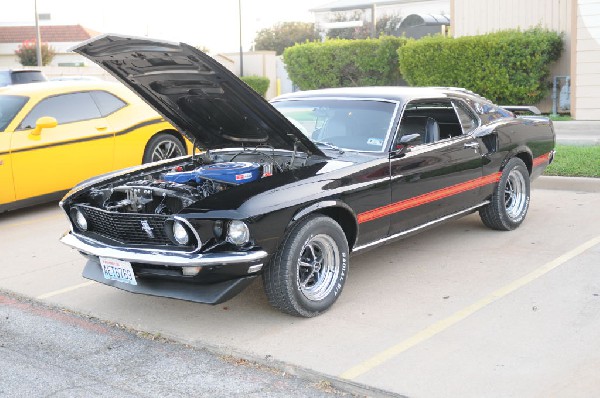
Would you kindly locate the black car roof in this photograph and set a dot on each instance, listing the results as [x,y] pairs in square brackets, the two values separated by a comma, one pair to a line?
[392,93]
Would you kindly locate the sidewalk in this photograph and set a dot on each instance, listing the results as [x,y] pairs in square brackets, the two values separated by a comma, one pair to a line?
[578,132]
[576,184]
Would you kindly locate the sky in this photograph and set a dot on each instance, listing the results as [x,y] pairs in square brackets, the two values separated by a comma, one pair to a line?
[210,23]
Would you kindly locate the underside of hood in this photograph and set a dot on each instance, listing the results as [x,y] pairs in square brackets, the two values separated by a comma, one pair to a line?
[198,95]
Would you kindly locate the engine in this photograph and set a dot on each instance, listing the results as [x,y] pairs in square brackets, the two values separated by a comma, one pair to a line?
[171,190]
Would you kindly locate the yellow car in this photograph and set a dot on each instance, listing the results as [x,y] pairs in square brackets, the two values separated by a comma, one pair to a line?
[56,134]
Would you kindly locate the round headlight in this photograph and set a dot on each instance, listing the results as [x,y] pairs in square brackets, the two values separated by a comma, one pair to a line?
[238,232]
[79,219]
[180,233]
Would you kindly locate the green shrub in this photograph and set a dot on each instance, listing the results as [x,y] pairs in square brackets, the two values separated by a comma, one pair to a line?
[508,67]
[344,63]
[257,83]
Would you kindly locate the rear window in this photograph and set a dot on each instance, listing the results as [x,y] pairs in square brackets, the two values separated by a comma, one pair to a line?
[27,76]
[10,105]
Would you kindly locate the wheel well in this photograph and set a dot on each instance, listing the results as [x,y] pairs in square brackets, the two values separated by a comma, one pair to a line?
[346,221]
[174,133]
[527,159]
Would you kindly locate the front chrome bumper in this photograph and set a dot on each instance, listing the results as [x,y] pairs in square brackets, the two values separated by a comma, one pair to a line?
[161,257]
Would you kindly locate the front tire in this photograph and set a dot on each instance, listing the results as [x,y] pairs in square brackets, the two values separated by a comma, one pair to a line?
[308,272]
[163,146]
[510,200]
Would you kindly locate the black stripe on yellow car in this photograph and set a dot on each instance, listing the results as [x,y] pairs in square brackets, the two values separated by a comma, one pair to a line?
[97,137]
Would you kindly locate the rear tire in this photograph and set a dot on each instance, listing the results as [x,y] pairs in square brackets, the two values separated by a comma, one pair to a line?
[163,146]
[308,272]
[510,200]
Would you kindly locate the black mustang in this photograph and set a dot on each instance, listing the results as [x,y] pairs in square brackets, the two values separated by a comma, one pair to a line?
[289,190]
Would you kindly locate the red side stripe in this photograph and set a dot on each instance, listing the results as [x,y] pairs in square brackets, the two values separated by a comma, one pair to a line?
[541,159]
[427,198]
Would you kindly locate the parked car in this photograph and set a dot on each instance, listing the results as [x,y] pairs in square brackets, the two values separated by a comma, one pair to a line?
[9,76]
[56,134]
[290,190]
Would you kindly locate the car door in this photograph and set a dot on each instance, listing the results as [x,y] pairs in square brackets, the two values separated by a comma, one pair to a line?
[438,176]
[10,106]
[7,191]
[80,146]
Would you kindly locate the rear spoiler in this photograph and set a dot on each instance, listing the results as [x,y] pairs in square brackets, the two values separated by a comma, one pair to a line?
[521,109]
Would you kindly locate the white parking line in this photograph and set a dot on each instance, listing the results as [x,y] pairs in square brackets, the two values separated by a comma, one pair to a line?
[65,290]
[453,319]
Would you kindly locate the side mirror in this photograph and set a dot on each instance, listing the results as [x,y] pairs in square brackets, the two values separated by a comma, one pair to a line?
[403,144]
[45,122]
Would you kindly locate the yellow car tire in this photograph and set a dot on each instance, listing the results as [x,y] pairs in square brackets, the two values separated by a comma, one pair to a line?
[163,146]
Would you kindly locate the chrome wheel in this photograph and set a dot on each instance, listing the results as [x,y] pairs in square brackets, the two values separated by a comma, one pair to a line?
[510,199]
[318,267]
[515,194]
[166,149]
[308,272]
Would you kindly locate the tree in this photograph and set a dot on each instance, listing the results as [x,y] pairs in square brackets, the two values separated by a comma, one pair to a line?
[283,35]
[387,25]
[359,32]
[27,53]
[202,48]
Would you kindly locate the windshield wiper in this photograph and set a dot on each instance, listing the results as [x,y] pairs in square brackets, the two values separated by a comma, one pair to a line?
[329,145]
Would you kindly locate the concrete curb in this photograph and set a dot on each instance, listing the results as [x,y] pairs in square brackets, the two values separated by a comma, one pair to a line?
[579,184]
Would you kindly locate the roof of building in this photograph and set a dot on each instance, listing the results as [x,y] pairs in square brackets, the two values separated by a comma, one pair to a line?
[425,20]
[346,5]
[49,33]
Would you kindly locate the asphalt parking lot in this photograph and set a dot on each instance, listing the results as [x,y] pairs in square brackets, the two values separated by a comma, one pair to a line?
[459,310]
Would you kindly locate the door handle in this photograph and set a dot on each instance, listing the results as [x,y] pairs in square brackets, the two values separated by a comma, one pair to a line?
[472,145]
[101,128]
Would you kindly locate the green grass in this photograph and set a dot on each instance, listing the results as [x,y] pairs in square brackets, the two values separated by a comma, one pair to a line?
[560,118]
[575,161]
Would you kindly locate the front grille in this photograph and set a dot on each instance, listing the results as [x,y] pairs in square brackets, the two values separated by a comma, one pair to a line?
[127,228]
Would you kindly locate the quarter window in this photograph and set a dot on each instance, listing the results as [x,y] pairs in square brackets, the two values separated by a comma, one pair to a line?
[107,103]
[468,121]
[66,108]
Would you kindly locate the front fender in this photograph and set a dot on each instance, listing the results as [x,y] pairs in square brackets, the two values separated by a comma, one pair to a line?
[338,211]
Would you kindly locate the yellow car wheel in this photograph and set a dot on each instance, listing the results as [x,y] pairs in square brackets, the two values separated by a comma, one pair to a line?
[163,146]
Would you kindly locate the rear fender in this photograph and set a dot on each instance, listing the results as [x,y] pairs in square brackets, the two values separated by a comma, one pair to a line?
[522,152]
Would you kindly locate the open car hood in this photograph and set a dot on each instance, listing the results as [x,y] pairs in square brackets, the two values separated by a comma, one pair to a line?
[198,95]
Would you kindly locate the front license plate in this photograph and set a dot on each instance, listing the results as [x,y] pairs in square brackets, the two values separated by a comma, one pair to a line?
[117,270]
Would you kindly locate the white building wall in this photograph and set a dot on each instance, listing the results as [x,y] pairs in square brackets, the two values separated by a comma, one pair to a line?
[258,63]
[8,59]
[476,17]
[587,53]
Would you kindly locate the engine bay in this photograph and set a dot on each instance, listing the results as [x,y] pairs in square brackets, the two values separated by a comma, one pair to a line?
[170,189]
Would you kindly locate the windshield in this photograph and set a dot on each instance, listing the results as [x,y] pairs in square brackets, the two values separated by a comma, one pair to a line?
[360,125]
[10,105]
